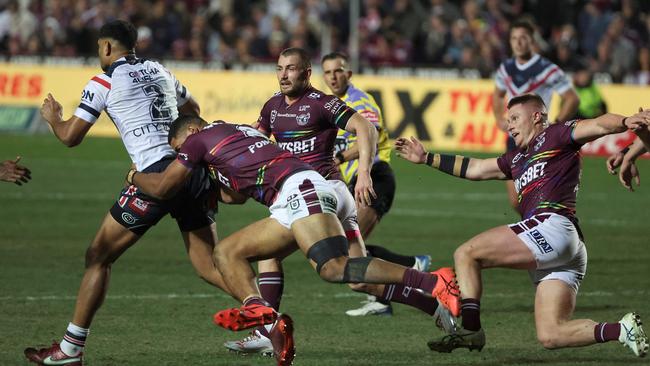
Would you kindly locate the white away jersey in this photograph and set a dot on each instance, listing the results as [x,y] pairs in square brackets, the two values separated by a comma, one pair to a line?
[141,97]
[538,75]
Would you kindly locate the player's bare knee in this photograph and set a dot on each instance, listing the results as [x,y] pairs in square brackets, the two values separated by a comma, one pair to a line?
[549,337]
[462,254]
[332,270]
[96,255]
[330,256]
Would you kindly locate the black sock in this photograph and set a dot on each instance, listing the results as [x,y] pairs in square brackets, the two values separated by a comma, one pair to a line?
[385,254]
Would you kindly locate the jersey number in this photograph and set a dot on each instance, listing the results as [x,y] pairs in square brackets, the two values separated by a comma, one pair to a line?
[157,108]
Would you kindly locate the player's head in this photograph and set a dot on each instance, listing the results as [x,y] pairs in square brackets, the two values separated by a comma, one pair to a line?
[182,127]
[293,71]
[116,39]
[336,72]
[526,118]
[521,39]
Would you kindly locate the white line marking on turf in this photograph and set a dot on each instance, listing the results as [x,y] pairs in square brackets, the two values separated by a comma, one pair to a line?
[173,296]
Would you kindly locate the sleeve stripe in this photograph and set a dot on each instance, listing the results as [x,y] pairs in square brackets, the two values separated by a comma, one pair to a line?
[103,82]
[342,120]
[89,109]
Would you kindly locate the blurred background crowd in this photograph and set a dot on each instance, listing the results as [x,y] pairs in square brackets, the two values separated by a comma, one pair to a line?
[603,36]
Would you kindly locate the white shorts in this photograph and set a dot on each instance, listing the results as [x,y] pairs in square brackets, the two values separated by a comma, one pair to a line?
[556,246]
[307,193]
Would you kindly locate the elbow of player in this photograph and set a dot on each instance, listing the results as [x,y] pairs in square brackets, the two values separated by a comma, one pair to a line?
[71,142]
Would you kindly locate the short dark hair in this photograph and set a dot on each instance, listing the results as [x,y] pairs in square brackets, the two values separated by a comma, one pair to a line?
[527,98]
[305,62]
[122,31]
[334,56]
[181,123]
[525,24]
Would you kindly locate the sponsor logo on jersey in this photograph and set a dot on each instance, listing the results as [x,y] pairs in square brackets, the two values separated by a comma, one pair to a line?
[183,156]
[298,147]
[139,206]
[314,95]
[128,218]
[87,95]
[304,108]
[532,173]
[517,157]
[303,119]
[541,242]
[143,75]
[289,115]
[334,105]
[151,128]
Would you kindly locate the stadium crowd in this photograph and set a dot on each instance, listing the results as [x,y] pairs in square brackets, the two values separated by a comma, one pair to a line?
[607,36]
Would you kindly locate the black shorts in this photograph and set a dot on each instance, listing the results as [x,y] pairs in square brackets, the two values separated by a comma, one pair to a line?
[383,182]
[193,207]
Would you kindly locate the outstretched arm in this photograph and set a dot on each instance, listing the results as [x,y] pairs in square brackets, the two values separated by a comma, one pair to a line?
[590,129]
[162,185]
[11,172]
[456,165]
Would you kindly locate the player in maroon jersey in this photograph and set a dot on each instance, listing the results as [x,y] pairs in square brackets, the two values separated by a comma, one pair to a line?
[545,168]
[304,209]
[305,121]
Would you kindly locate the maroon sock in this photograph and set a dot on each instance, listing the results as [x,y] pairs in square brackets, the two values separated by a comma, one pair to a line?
[420,280]
[605,332]
[470,310]
[408,296]
[271,287]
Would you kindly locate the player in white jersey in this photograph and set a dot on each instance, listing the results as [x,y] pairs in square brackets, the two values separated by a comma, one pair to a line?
[528,72]
[142,98]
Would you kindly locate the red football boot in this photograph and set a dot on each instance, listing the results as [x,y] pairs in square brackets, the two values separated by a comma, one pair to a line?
[281,336]
[245,317]
[447,291]
[53,356]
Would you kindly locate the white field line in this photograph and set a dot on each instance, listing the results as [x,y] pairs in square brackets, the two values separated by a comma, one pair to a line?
[350,294]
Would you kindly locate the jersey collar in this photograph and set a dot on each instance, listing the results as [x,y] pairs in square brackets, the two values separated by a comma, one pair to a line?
[528,63]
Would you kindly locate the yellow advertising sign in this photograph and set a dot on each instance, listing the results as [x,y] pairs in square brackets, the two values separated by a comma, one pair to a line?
[445,114]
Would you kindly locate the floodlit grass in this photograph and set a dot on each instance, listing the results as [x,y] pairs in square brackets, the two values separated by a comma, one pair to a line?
[159,313]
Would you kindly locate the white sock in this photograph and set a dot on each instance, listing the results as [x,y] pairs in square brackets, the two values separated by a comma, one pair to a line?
[74,340]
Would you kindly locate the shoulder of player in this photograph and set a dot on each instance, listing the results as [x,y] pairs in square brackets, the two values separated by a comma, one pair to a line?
[100,82]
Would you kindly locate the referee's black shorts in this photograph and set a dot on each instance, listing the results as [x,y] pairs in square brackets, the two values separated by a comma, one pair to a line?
[193,207]
[383,182]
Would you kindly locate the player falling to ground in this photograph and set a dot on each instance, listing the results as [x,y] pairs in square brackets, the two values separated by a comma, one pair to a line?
[306,210]
[12,172]
[305,122]
[337,75]
[529,72]
[142,98]
[548,242]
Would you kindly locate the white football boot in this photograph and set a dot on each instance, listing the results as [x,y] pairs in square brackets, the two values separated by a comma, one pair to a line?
[255,342]
[632,334]
[371,307]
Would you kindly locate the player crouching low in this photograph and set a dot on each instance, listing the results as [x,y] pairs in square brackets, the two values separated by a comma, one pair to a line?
[548,242]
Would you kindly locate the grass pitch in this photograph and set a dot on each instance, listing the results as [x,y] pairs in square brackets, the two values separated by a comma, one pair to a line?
[159,313]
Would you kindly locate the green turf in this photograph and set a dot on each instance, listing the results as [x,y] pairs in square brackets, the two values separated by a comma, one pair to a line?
[159,313]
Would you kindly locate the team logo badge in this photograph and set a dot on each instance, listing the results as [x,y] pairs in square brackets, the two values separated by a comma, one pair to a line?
[303,119]
[295,204]
[128,218]
[274,114]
